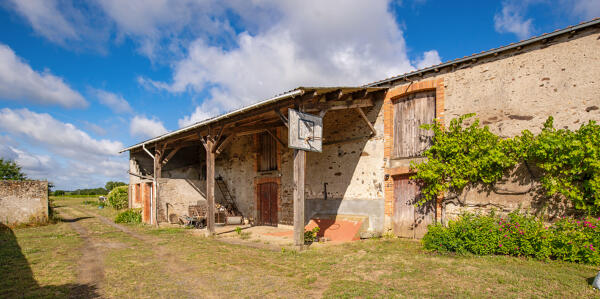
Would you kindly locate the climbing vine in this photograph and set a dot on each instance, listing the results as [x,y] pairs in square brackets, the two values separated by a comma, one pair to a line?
[463,154]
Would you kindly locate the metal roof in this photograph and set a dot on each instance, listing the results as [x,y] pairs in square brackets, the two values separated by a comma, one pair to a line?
[522,43]
[290,94]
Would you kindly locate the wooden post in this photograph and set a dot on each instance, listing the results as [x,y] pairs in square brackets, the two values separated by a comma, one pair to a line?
[299,163]
[157,175]
[210,184]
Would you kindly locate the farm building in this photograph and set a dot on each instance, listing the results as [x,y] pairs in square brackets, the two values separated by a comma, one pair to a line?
[370,134]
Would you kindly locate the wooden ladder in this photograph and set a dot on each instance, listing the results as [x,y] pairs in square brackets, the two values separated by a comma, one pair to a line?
[229,202]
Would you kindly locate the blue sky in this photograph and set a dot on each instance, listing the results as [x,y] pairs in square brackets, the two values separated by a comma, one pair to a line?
[80,80]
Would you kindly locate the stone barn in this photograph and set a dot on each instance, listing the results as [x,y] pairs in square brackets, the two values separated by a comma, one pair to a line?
[370,135]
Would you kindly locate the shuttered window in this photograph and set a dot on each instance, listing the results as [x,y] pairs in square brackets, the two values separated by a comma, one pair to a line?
[267,152]
[410,112]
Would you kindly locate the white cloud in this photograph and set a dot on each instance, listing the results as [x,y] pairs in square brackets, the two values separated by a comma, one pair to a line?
[70,158]
[201,112]
[145,127]
[18,81]
[429,58]
[62,138]
[511,20]
[113,101]
[586,9]
[303,43]
[45,17]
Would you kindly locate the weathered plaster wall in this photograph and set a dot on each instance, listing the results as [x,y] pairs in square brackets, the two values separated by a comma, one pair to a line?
[176,195]
[23,202]
[519,90]
[236,166]
[352,167]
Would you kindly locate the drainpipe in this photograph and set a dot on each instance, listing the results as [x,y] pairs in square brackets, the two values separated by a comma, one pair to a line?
[154,185]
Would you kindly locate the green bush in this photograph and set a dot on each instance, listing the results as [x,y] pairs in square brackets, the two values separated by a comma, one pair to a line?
[311,235]
[129,216]
[117,198]
[518,235]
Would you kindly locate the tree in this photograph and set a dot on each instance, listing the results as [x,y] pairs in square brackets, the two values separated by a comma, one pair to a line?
[111,185]
[9,170]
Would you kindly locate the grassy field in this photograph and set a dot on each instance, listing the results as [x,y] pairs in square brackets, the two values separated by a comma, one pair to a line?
[87,255]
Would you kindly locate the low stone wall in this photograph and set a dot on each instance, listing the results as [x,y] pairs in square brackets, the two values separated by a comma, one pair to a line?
[520,190]
[23,202]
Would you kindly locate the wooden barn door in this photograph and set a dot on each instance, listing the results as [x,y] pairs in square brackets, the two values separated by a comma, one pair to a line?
[410,220]
[267,203]
[410,112]
[146,197]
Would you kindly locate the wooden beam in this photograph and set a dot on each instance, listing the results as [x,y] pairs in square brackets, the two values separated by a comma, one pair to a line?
[157,175]
[220,133]
[323,112]
[170,155]
[277,138]
[221,147]
[364,117]
[299,164]
[337,105]
[282,117]
[266,126]
[210,185]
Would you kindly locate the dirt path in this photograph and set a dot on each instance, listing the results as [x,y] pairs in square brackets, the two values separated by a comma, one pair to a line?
[175,270]
[91,270]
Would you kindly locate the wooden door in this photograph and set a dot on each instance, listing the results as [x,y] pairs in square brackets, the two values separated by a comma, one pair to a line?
[146,197]
[137,193]
[267,203]
[410,220]
[410,112]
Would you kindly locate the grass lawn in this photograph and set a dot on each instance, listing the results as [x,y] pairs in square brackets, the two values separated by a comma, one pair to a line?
[143,262]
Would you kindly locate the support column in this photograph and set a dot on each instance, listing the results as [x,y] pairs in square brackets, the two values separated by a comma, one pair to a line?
[210,185]
[157,175]
[299,164]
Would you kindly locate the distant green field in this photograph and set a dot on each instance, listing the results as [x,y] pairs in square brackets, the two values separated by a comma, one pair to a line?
[74,196]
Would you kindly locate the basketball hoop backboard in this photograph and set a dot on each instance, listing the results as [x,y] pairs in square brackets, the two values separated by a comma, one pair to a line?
[305,131]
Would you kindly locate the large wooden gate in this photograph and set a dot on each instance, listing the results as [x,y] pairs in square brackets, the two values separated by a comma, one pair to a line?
[410,220]
[267,204]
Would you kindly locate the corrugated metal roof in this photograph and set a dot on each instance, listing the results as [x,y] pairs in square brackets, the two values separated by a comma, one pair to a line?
[511,46]
[290,94]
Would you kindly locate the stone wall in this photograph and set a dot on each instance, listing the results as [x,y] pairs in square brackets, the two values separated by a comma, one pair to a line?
[23,202]
[515,91]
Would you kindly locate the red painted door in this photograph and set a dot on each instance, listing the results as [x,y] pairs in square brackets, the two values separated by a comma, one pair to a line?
[268,203]
[410,220]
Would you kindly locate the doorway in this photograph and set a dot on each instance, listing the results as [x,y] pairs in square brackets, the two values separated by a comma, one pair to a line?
[409,219]
[267,204]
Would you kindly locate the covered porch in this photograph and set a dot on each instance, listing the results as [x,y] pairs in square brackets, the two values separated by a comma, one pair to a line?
[245,155]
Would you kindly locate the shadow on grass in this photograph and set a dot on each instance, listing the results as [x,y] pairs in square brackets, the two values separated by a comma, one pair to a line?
[74,219]
[17,279]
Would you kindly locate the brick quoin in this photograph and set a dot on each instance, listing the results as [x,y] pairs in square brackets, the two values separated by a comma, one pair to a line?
[436,84]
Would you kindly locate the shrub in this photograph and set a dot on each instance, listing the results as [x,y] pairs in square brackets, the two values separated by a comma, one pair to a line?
[311,235]
[117,198]
[518,235]
[129,216]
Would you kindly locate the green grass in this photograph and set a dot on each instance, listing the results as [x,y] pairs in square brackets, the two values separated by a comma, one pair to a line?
[173,262]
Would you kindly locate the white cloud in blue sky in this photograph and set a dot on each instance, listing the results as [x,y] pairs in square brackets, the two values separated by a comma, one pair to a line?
[146,127]
[18,81]
[114,102]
